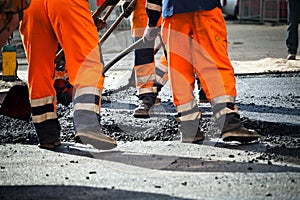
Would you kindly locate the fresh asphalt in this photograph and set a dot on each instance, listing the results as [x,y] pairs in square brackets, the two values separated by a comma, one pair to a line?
[171,170]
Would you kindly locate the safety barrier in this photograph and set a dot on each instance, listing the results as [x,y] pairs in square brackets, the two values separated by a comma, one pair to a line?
[263,10]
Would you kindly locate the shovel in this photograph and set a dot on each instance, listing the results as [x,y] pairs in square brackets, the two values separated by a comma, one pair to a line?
[136,45]
[14,102]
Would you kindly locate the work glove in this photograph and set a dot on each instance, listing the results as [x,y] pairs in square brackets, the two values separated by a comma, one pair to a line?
[100,23]
[150,33]
[64,91]
[126,9]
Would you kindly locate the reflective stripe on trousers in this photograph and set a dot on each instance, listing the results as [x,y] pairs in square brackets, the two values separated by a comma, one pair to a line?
[202,49]
[45,24]
[149,78]
[43,109]
[87,101]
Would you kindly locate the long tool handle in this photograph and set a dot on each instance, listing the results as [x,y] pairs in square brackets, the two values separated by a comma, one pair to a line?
[163,46]
[123,53]
[108,12]
[138,44]
[117,21]
[100,10]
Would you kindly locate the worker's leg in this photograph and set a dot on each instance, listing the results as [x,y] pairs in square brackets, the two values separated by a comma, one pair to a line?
[181,74]
[144,65]
[216,73]
[40,45]
[78,36]
[161,72]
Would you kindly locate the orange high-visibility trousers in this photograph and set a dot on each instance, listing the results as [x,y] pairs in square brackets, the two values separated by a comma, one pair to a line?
[196,42]
[47,23]
[149,78]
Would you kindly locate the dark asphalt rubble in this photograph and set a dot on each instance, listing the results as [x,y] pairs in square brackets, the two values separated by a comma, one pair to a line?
[117,121]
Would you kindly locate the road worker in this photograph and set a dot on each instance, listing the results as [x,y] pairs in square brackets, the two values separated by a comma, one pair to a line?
[195,36]
[11,12]
[150,77]
[45,24]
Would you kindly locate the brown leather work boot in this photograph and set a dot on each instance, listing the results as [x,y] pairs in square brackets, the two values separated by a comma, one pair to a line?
[142,111]
[147,100]
[241,135]
[228,120]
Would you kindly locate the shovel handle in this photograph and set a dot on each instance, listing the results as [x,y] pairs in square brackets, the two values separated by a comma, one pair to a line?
[117,21]
[138,44]
[100,10]
[108,12]
[121,55]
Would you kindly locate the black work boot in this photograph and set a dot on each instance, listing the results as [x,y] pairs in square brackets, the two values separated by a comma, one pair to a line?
[146,102]
[98,139]
[232,129]
[48,133]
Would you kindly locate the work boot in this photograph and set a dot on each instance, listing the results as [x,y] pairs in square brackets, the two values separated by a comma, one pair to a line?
[142,111]
[241,135]
[97,139]
[90,132]
[291,57]
[191,132]
[146,102]
[199,137]
[232,129]
[50,146]
[48,133]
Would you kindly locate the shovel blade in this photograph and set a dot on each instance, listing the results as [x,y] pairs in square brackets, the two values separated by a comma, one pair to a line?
[16,104]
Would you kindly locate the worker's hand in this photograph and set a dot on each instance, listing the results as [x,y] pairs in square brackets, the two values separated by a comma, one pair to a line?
[64,91]
[126,10]
[150,33]
[8,23]
[100,23]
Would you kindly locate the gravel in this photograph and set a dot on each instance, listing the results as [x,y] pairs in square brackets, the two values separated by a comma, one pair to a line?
[117,121]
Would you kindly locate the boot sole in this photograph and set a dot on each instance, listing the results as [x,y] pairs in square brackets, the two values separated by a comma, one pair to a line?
[100,142]
[229,137]
[50,146]
[141,116]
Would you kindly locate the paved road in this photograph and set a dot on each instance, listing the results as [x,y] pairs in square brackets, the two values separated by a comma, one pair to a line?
[145,170]
[166,170]
[273,98]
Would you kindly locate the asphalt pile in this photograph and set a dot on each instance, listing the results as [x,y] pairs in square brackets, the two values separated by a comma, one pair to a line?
[118,122]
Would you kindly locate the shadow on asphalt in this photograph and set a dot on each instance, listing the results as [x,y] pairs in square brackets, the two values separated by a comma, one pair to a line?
[268,109]
[73,192]
[176,163]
